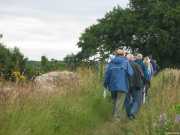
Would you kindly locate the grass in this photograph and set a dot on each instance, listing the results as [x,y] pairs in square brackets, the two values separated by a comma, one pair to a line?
[81,109]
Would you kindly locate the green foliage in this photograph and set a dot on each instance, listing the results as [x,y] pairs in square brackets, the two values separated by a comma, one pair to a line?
[45,66]
[147,26]
[33,69]
[71,61]
[10,61]
[159,25]
[51,65]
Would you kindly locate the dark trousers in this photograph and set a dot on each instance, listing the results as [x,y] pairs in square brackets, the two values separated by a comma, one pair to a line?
[147,85]
[133,101]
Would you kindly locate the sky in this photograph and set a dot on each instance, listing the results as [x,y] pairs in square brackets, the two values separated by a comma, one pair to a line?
[49,27]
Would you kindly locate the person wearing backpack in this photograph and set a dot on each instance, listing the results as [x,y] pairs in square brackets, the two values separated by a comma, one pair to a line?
[136,83]
[116,81]
[139,61]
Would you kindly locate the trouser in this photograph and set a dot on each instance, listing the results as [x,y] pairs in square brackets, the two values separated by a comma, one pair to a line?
[147,85]
[133,101]
[145,90]
[118,104]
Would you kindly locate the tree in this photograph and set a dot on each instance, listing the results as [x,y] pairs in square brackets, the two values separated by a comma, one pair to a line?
[151,27]
[45,66]
[158,29]
[18,60]
[113,31]
[71,61]
[11,61]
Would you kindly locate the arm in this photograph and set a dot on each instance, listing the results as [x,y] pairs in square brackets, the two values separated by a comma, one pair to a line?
[129,69]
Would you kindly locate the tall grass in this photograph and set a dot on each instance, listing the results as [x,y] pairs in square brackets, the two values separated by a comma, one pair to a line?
[81,109]
[157,116]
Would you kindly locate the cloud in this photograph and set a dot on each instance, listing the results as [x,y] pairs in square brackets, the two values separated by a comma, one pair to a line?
[49,27]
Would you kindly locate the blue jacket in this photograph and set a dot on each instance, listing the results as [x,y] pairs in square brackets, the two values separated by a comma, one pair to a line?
[155,66]
[116,76]
[149,74]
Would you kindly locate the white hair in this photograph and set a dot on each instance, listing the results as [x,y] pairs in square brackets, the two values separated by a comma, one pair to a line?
[139,56]
[130,57]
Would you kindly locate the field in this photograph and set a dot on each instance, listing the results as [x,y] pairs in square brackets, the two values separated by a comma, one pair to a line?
[80,109]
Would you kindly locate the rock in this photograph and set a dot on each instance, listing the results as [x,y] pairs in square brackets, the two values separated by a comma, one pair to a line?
[55,79]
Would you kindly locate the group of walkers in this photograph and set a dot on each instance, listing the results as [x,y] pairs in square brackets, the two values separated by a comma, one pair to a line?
[128,78]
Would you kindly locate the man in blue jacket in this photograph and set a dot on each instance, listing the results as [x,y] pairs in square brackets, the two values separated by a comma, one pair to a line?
[116,80]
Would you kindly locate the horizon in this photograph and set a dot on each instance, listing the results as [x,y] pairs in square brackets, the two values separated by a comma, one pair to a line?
[49,28]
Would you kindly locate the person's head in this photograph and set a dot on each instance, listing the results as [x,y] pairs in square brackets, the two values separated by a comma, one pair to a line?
[120,52]
[150,57]
[146,61]
[126,53]
[130,57]
[139,56]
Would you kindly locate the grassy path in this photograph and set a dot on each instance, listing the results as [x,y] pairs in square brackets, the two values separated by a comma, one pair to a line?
[82,110]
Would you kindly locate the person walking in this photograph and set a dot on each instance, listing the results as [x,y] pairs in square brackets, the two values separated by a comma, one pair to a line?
[154,65]
[139,61]
[149,73]
[136,83]
[116,80]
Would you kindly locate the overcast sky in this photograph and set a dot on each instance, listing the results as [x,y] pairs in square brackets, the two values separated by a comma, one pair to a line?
[49,27]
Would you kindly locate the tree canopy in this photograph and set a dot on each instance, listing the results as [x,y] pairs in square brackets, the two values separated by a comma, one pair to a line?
[151,27]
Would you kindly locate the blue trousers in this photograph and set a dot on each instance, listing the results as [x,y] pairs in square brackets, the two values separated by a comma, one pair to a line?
[133,101]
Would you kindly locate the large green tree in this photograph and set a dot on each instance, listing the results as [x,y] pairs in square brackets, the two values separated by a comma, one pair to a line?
[158,30]
[111,32]
[147,26]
